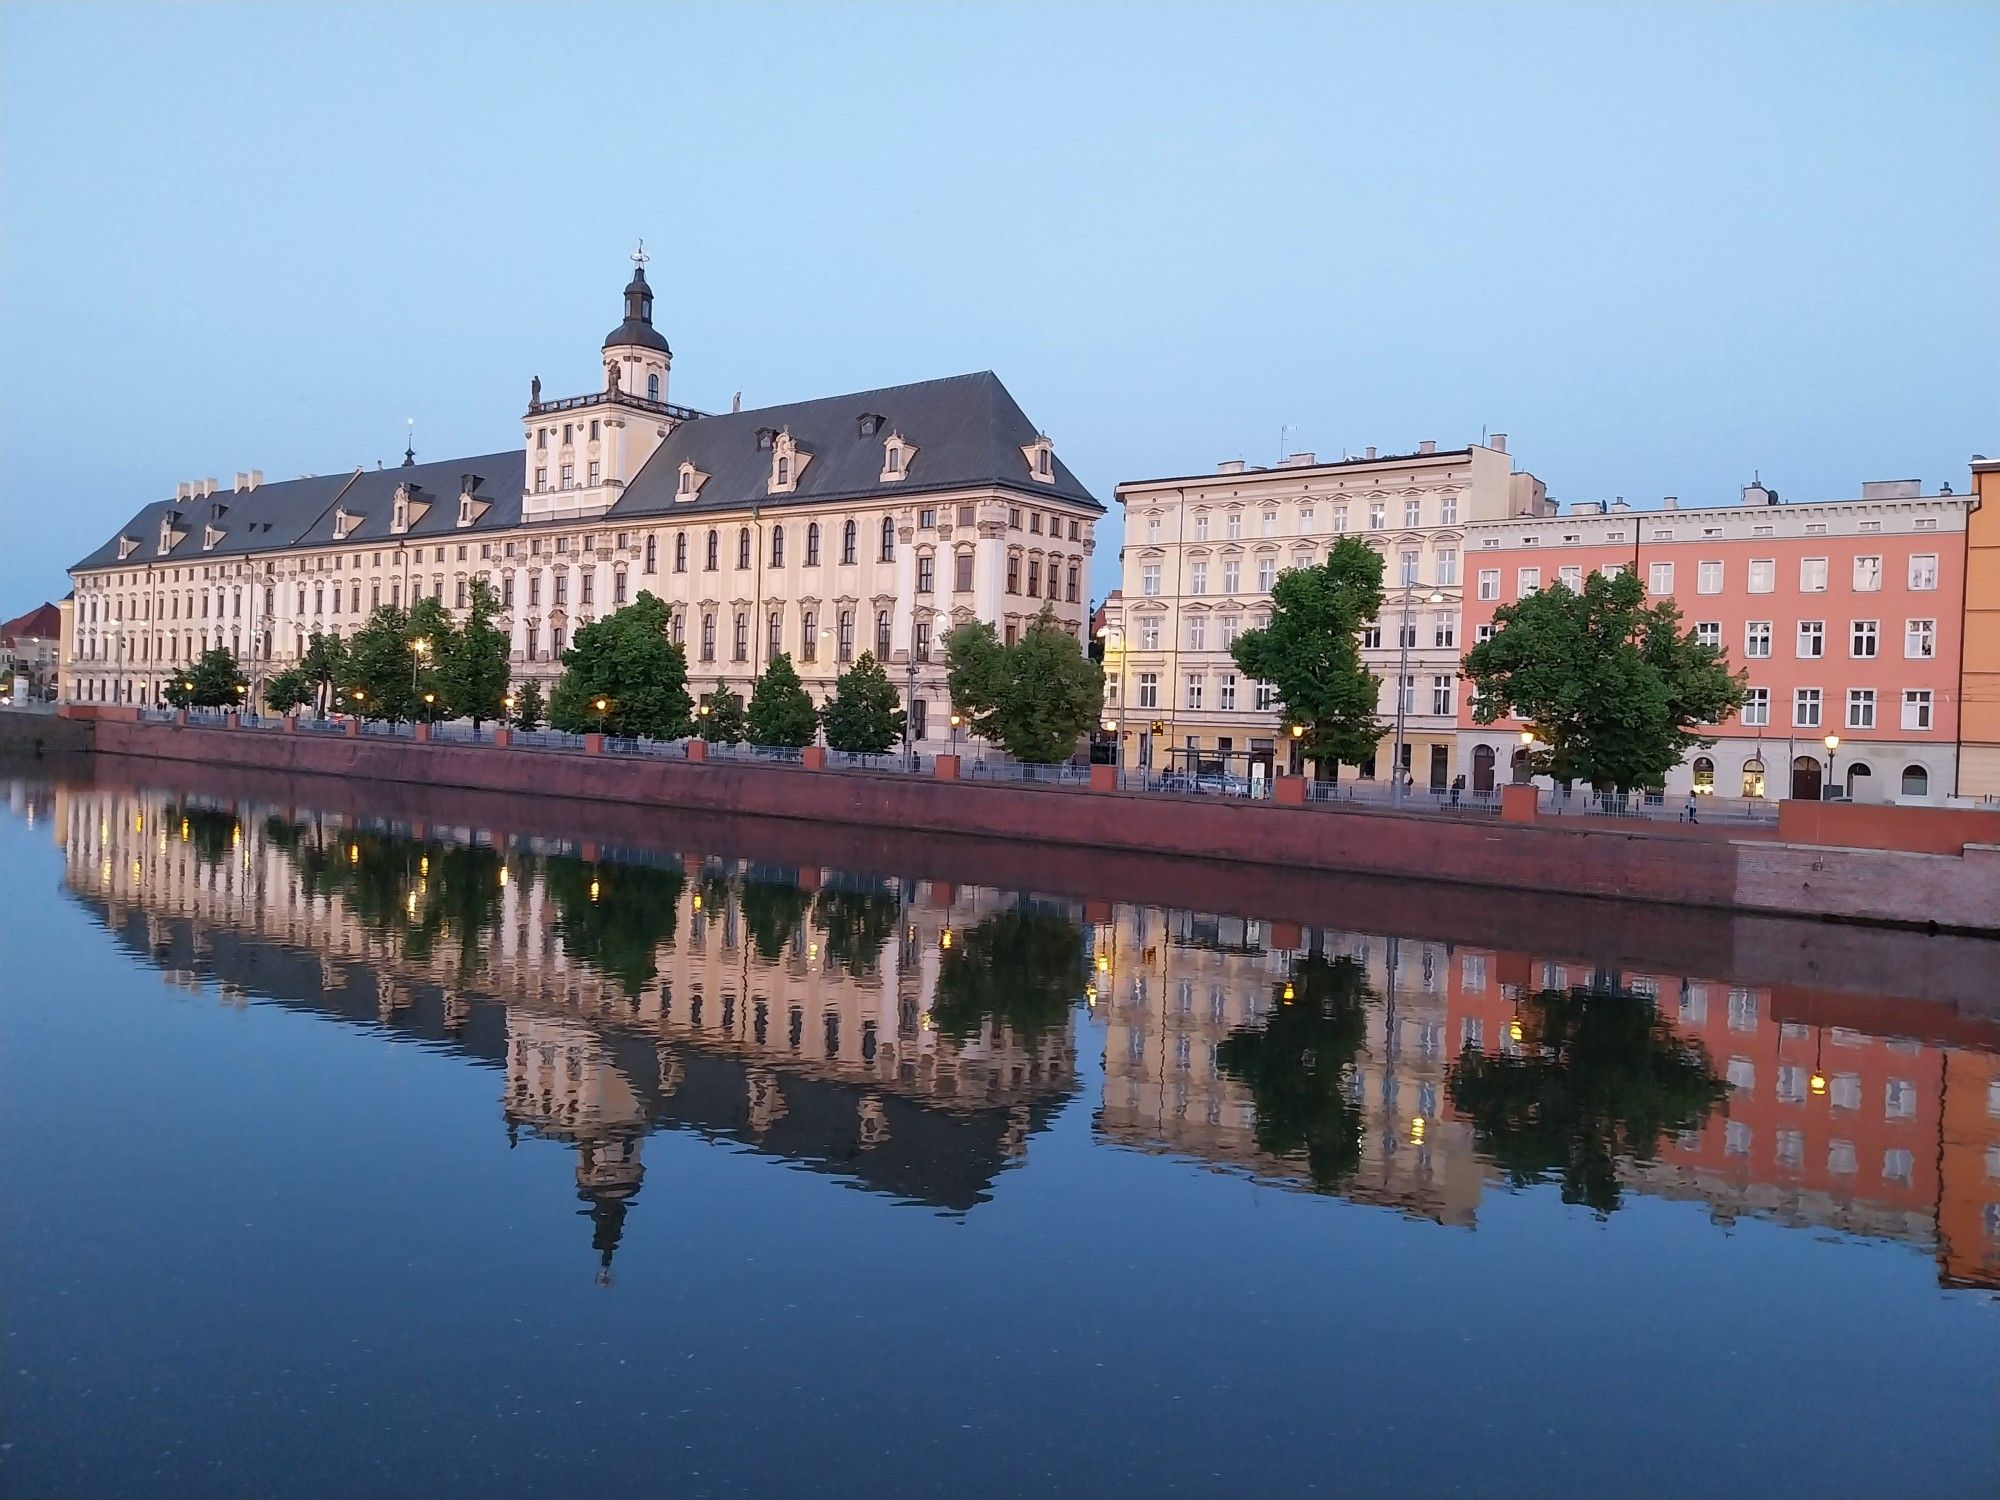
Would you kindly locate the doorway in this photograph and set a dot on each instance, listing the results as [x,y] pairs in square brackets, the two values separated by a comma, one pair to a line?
[1806,778]
[1482,768]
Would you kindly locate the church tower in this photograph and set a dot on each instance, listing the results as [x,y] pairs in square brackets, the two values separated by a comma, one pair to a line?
[583,450]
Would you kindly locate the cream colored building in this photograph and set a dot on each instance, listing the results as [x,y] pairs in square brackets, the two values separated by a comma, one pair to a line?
[824,528]
[1203,551]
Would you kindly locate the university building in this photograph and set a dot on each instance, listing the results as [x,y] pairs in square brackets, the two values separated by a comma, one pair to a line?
[1202,553]
[825,528]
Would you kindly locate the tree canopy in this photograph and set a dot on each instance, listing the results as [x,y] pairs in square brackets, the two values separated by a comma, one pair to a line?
[614,917]
[865,712]
[722,721]
[289,690]
[472,661]
[1600,1076]
[1036,698]
[1022,968]
[530,712]
[212,680]
[379,671]
[323,662]
[1310,653]
[781,713]
[629,660]
[1612,687]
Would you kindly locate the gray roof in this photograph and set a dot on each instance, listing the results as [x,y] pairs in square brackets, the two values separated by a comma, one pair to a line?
[967,430]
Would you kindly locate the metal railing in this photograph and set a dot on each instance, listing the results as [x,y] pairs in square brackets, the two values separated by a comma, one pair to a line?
[621,744]
[1061,774]
[1655,807]
[548,739]
[614,398]
[387,729]
[322,726]
[720,751]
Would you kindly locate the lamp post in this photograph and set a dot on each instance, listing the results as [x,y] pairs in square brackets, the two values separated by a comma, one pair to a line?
[603,706]
[909,713]
[1403,690]
[419,649]
[430,715]
[957,720]
[1832,743]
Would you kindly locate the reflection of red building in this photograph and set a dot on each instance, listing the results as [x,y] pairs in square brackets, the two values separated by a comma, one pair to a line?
[1834,1118]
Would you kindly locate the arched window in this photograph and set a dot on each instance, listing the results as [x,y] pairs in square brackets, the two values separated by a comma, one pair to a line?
[777,546]
[652,554]
[1704,776]
[882,635]
[652,387]
[743,547]
[1753,777]
[1857,781]
[847,542]
[812,545]
[888,539]
[1916,781]
[1482,768]
[714,542]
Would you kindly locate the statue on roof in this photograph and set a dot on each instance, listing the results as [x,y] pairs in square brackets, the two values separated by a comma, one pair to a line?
[535,391]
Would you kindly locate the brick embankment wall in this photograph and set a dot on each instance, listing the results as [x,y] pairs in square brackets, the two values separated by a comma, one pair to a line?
[23,732]
[1958,893]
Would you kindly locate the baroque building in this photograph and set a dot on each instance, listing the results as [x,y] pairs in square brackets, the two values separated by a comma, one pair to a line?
[824,528]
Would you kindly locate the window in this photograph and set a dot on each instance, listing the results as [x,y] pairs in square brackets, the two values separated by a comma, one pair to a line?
[809,635]
[541,480]
[1014,574]
[714,543]
[1812,638]
[888,539]
[1152,528]
[1447,565]
[1861,708]
[1232,626]
[926,574]
[1371,635]
[1267,574]
[1197,578]
[1407,567]
[882,635]
[708,635]
[1489,583]
[1444,628]
[921,648]
[843,646]
[595,471]
[1149,577]
[1149,690]
[1763,575]
[739,641]
[1660,578]
[1378,514]
[1225,692]
[1757,638]
[774,634]
[961,579]
[1862,638]
[1805,708]
[812,545]
[1868,574]
[1232,575]
[1923,570]
[561,578]
[1704,776]
[1235,527]
[743,547]
[1708,633]
[1194,682]
[1708,578]
[1482,633]
[1441,694]
[847,541]
[1528,581]
[1197,632]
[1899,1099]
[1916,781]
[1916,712]
[1812,575]
[1920,639]
[777,546]
[1149,632]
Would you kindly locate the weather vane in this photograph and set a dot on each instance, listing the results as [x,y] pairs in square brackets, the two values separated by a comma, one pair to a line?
[639,256]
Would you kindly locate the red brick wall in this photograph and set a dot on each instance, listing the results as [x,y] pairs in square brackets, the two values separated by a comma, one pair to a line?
[1858,825]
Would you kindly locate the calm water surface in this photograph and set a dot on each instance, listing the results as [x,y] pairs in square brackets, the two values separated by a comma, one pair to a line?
[346,1157]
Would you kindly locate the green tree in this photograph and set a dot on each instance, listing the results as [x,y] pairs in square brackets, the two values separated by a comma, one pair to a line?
[1310,653]
[472,661]
[324,661]
[289,690]
[1612,687]
[211,681]
[1600,1077]
[1022,968]
[629,661]
[858,923]
[1035,698]
[720,718]
[530,712]
[772,911]
[865,713]
[1298,1064]
[378,670]
[781,713]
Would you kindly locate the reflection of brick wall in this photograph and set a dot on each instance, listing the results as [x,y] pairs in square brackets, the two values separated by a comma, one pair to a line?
[1969,1197]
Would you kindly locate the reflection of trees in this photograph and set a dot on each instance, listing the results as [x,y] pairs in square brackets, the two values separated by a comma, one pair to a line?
[206,830]
[858,925]
[1601,1076]
[1297,1067]
[612,916]
[772,911]
[421,893]
[1022,968]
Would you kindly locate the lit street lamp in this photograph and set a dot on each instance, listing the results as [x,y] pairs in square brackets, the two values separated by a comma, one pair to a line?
[1832,744]
[419,649]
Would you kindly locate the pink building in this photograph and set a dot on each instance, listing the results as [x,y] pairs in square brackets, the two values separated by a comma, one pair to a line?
[1845,615]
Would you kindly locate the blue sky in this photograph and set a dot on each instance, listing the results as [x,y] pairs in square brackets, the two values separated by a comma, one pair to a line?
[1661,247]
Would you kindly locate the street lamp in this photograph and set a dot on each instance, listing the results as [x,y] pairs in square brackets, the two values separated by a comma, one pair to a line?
[957,720]
[1832,743]
[602,705]
[1403,688]
[910,712]
[429,699]
[419,649]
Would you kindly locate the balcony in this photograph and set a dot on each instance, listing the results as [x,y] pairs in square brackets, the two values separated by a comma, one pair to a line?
[614,398]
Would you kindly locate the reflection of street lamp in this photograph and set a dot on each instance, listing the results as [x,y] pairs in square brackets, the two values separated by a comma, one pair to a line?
[1832,743]
[1404,689]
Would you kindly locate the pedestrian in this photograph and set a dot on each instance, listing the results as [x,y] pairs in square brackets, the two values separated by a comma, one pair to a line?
[1457,786]
[1691,812]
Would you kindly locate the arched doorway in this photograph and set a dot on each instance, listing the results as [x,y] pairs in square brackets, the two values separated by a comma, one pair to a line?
[1520,765]
[1482,768]
[1704,776]
[1859,779]
[1806,777]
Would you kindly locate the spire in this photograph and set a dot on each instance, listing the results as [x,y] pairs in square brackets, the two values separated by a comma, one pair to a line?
[637,330]
[410,446]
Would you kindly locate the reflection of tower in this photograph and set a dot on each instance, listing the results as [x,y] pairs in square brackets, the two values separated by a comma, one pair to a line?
[608,1174]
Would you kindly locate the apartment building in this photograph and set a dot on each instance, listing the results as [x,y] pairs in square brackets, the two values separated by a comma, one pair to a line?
[1202,553]
[1844,614]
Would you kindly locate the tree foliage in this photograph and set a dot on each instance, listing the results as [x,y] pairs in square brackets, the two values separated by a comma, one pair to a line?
[781,712]
[530,712]
[1600,1077]
[378,670]
[865,712]
[629,660]
[772,911]
[289,690]
[1035,698]
[472,661]
[722,721]
[1310,653]
[1022,969]
[324,660]
[615,917]
[212,680]
[1297,1067]
[858,923]
[1612,687]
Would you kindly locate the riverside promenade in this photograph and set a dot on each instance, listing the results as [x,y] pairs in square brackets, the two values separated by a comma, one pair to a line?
[1929,868]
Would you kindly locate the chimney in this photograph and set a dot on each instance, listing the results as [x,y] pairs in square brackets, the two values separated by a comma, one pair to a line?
[1428,445]
[256,478]
[736,402]
[242,481]
[1301,460]
[1670,502]
[1618,503]
[1498,442]
[1370,451]
[1230,466]
[184,491]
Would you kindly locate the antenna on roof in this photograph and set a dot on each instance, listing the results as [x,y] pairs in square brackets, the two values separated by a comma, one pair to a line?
[1281,440]
[410,447]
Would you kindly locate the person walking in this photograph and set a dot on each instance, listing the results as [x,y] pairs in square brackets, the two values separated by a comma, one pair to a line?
[1692,812]
[1457,787]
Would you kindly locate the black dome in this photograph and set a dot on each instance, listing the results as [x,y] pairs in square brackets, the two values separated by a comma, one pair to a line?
[637,330]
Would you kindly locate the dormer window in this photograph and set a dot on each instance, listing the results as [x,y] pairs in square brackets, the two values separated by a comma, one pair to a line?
[870,424]
[1041,459]
[784,475]
[344,522]
[210,535]
[691,481]
[400,522]
[788,462]
[127,545]
[896,456]
[767,438]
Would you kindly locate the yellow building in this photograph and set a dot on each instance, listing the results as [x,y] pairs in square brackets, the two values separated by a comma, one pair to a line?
[1979,673]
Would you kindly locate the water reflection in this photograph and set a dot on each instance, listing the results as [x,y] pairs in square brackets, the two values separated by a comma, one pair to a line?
[912,1036]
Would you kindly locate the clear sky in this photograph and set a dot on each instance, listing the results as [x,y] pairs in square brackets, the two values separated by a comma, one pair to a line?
[1660,246]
